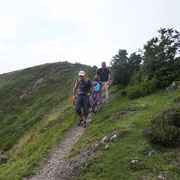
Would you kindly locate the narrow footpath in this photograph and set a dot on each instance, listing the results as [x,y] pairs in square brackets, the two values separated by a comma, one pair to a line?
[57,160]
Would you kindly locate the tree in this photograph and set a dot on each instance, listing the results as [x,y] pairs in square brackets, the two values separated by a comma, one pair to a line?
[161,57]
[123,67]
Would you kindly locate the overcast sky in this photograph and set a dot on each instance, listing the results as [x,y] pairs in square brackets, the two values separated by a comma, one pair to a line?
[34,32]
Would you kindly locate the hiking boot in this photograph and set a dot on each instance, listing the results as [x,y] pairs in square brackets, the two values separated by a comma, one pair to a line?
[80,121]
[90,109]
[84,125]
[107,101]
[99,102]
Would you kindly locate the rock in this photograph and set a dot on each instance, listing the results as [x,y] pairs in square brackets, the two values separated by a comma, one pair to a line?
[113,114]
[24,95]
[39,81]
[123,133]
[157,116]
[134,161]
[105,139]
[146,178]
[174,85]
[160,176]
[167,111]
[113,137]
[3,159]
[139,107]
[107,146]
[151,152]
[96,145]
[89,152]
[143,106]
[87,164]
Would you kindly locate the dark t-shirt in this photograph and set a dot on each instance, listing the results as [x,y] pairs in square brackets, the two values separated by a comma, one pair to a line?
[103,73]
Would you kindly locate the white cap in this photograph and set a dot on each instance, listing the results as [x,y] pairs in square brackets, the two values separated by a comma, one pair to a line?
[81,73]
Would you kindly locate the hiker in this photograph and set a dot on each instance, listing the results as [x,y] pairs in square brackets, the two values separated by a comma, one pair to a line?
[105,76]
[85,89]
[96,89]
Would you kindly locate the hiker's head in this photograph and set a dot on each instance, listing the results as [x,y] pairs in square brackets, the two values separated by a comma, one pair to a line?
[103,64]
[81,74]
[95,80]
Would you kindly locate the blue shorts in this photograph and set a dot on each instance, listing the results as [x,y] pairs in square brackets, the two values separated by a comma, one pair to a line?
[82,101]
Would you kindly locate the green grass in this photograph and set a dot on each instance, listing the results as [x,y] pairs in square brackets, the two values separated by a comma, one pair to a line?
[35,146]
[115,162]
[20,114]
[31,126]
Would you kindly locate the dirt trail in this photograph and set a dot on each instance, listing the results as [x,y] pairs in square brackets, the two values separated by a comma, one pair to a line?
[57,160]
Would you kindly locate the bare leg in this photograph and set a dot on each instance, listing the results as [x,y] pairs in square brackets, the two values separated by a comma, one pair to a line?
[107,91]
[84,119]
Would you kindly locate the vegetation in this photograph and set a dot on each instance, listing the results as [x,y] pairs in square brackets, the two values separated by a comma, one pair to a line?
[161,57]
[124,68]
[165,128]
[32,149]
[157,67]
[36,111]
[143,88]
[116,161]
[29,95]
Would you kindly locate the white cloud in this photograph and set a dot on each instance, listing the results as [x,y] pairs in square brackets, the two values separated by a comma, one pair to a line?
[86,31]
[74,9]
[56,50]
[8,27]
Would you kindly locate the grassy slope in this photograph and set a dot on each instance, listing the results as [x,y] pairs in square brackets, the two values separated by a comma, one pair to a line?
[114,162]
[31,126]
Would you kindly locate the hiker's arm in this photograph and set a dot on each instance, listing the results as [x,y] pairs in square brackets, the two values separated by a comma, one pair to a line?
[92,90]
[96,76]
[74,93]
[90,97]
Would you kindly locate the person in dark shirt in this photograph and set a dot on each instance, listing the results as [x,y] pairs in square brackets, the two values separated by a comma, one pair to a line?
[105,76]
[85,90]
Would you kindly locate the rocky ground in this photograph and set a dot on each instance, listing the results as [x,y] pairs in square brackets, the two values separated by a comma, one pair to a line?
[57,167]
[57,160]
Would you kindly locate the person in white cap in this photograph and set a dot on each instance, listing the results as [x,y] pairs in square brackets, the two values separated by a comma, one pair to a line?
[85,90]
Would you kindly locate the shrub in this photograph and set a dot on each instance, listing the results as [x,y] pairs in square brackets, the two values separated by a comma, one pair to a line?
[140,89]
[165,128]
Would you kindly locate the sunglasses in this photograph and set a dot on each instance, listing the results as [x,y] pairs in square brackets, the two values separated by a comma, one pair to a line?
[81,76]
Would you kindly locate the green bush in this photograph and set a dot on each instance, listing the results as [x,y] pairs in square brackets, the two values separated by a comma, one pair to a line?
[140,89]
[124,67]
[165,128]
[161,59]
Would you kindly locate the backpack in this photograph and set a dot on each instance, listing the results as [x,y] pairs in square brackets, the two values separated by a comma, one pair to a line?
[87,91]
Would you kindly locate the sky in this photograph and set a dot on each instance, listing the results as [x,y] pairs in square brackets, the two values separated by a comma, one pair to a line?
[34,32]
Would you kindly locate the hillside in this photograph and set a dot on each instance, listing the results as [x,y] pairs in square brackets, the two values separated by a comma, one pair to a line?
[114,147]
[37,114]
[34,107]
